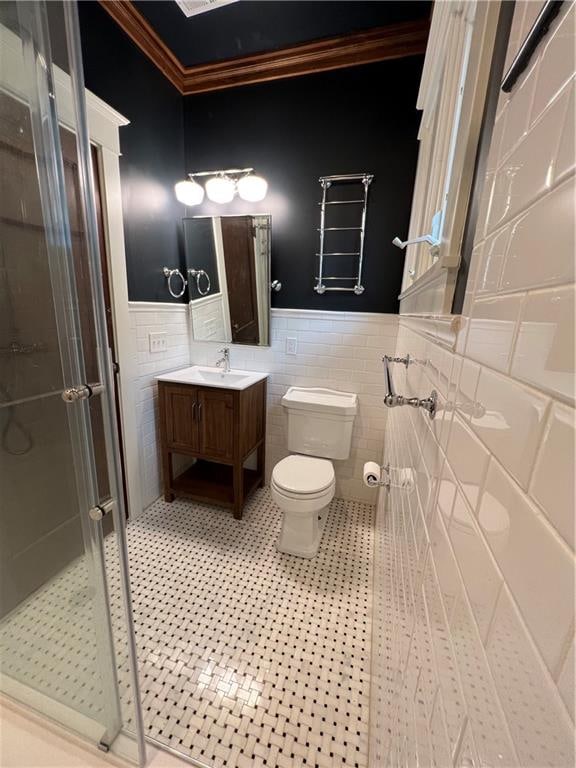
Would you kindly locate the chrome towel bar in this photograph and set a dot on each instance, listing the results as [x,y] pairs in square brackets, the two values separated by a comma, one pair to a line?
[392,399]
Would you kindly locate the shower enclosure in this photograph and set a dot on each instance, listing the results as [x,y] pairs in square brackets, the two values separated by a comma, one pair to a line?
[66,635]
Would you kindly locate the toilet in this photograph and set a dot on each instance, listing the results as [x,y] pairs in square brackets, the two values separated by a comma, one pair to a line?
[319,429]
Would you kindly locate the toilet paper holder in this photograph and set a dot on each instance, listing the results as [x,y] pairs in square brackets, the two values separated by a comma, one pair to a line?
[386,481]
[382,482]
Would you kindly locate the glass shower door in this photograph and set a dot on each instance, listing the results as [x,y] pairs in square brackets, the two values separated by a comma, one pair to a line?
[66,634]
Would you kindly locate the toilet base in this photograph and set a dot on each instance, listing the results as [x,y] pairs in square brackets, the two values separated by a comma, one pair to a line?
[301,534]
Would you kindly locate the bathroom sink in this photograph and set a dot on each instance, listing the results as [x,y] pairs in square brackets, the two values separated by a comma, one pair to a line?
[213,377]
[232,377]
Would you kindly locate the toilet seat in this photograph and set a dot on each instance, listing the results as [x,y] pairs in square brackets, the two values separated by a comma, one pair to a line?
[306,477]
[304,498]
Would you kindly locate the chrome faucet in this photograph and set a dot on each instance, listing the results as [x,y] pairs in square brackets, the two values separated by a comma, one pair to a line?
[225,361]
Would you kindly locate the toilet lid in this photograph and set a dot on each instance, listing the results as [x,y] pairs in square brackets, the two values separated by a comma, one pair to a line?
[303,474]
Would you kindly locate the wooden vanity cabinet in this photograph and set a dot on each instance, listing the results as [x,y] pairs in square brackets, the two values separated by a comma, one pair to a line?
[219,428]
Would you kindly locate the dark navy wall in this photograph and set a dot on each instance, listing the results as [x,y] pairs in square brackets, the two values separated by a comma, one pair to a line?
[152,149]
[293,131]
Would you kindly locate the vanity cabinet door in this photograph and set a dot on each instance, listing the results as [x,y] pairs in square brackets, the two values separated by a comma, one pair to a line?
[181,417]
[216,423]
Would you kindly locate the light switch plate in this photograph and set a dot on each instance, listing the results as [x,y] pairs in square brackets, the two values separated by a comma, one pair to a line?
[157,342]
[291,345]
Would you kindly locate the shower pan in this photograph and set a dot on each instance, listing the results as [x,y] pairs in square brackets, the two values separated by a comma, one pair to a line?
[64,653]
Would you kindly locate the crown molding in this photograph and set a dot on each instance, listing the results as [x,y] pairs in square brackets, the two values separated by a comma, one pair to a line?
[140,32]
[390,42]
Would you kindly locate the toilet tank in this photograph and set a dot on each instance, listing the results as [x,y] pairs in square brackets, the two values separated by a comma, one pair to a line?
[320,421]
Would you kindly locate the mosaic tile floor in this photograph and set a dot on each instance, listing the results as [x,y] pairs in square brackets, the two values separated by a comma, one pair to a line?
[250,657]
[49,643]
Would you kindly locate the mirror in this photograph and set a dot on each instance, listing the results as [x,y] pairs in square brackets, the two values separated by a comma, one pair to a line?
[228,266]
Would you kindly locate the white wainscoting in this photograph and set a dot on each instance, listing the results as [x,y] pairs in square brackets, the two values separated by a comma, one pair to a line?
[145,318]
[339,350]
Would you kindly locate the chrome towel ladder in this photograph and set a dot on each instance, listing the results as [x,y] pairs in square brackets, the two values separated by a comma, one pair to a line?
[326,182]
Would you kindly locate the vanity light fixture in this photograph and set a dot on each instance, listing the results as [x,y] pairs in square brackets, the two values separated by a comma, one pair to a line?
[252,188]
[223,186]
[189,192]
[221,189]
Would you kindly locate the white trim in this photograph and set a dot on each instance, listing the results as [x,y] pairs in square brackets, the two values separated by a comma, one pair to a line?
[428,277]
[127,377]
[461,171]
[103,120]
[222,277]
[432,295]
[206,299]
[442,329]
[319,314]
[327,314]
[449,135]
[156,306]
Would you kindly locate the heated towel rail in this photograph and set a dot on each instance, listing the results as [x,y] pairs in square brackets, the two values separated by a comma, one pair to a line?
[326,182]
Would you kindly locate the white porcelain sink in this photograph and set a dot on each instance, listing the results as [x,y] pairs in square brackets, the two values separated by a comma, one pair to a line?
[213,377]
[232,377]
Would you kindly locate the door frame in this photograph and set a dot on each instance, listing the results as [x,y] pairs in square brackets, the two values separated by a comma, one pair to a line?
[104,128]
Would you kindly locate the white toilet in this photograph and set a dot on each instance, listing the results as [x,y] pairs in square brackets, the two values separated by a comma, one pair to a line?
[319,425]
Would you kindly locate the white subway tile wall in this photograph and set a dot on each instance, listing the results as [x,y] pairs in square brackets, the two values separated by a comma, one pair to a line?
[146,318]
[473,642]
[338,350]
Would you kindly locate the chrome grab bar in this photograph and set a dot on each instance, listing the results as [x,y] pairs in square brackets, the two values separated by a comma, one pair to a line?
[392,399]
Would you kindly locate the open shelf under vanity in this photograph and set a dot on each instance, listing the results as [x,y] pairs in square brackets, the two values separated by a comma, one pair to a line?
[213,483]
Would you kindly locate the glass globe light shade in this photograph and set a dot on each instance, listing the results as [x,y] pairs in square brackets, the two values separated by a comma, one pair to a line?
[221,189]
[252,188]
[189,192]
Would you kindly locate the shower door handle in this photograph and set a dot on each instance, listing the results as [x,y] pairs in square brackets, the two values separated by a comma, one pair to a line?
[100,511]
[81,392]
